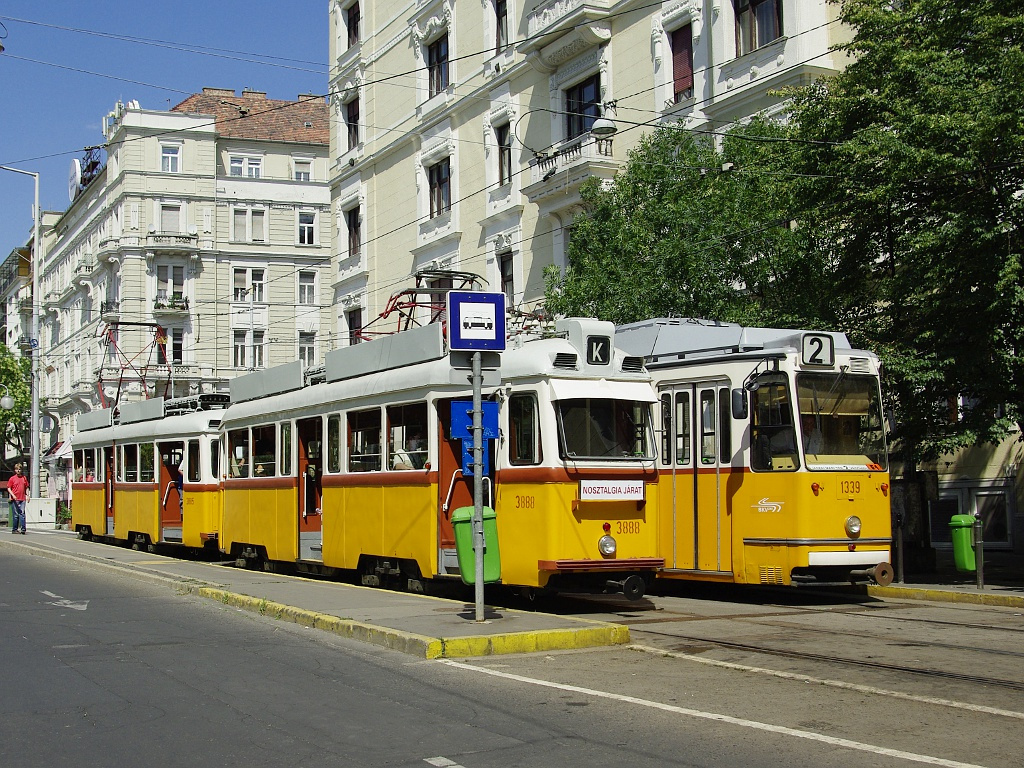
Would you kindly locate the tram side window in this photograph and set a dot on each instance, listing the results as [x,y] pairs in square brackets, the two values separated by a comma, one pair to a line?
[524,426]
[364,441]
[286,448]
[79,467]
[215,458]
[94,465]
[238,452]
[772,433]
[683,429]
[666,428]
[334,443]
[708,419]
[192,461]
[130,463]
[263,452]
[407,436]
[147,457]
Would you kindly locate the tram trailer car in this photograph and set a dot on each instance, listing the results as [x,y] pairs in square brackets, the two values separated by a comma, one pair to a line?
[773,463]
[362,471]
[149,475]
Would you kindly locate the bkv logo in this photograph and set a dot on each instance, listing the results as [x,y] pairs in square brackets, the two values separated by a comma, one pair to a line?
[764,505]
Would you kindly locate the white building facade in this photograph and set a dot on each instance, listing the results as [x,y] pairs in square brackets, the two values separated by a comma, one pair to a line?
[198,252]
[461,131]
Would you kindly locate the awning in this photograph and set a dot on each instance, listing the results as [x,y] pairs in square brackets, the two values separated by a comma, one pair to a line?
[59,450]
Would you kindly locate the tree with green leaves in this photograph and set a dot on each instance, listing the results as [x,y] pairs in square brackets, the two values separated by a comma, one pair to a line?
[15,376]
[688,229]
[913,176]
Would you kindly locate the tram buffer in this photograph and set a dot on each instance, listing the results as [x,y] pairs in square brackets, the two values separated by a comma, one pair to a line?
[476,324]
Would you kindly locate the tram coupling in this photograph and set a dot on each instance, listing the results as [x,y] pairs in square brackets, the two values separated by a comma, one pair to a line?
[633,587]
[881,574]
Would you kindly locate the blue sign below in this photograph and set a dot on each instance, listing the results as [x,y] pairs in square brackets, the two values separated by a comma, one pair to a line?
[462,428]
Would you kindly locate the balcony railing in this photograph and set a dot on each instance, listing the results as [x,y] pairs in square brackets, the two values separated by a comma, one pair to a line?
[547,16]
[582,149]
[170,305]
[110,309]
[173,241]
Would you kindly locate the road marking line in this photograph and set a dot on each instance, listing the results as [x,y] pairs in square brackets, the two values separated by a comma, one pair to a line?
[63,602]
[778,729]
[837,684]
[441,762]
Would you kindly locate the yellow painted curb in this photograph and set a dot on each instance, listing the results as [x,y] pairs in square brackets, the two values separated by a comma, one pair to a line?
[948,596]
[421,645]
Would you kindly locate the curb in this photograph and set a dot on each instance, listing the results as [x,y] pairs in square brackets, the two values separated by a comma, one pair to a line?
[947,596]
[421,646]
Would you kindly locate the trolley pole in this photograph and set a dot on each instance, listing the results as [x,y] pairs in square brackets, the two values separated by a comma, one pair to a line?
[478,482]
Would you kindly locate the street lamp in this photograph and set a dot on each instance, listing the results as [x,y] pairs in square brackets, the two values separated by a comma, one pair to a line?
[6,402]
[33,466]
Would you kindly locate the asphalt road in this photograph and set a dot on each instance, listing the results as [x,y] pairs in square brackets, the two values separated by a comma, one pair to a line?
[100,670]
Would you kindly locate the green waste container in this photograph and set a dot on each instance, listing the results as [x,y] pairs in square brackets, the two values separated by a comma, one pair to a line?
[962,530]
[462,523]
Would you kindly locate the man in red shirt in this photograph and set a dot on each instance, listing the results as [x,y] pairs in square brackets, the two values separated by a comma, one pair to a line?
[17,487]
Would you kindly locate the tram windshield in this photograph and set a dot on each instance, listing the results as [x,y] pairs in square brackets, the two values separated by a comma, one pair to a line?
[841,421]
[601,428]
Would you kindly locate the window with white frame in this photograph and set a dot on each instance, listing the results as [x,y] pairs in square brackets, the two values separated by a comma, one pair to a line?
[307,287]
[758,22]
[248,225]
[307,348]
[245,166]
[248,284]
[503,140]
[437,66]
[303,169]
[352,123]
[991,501]
[439,186]
[506,272]
[306,228]
[354,226]
[582,106]
[681,42]
[354,324]
[501,25]
[170,218]
[170,346]
[170,158]
[239,346]
[170,283]
[352,19]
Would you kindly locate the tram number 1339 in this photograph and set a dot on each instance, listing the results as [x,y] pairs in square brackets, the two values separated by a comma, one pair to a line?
[849,487]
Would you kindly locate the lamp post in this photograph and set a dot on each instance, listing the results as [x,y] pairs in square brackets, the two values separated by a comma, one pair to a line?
[33,466]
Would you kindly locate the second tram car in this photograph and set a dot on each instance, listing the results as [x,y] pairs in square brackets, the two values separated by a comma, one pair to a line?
[773,463]
[362,470]
[150,476]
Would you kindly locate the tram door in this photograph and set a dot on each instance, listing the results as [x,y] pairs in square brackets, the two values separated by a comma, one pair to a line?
[172,493]
[453,489]
[108,489]
[310,495]
[696,454]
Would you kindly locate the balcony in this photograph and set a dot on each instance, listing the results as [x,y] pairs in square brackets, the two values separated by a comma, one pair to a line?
[84,269]
[555,15]
[166,243]
[110,311]
[170,305]
[564,169]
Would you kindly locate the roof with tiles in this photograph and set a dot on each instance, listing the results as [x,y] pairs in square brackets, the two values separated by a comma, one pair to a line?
[253,116]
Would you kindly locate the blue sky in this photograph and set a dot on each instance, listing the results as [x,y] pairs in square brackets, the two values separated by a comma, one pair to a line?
[57,84]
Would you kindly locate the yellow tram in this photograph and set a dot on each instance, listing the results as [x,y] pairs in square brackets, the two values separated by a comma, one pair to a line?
[773,463]
[148,474]
[356,466]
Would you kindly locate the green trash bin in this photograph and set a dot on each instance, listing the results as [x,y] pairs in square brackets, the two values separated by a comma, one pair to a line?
[462,523]
[962,531]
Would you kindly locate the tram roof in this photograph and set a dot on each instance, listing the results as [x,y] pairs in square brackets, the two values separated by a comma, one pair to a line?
[668,340]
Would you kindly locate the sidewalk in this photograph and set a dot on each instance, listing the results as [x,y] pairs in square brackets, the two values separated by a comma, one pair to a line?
[431,627]
[427,627]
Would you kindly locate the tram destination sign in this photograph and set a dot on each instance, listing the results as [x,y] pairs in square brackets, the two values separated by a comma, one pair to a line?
[476,321]
[611,490]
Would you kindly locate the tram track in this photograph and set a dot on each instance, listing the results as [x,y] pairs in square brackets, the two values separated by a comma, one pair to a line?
[830,659]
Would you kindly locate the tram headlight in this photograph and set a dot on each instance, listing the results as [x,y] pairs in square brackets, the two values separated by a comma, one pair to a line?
[606,545]
[853,526]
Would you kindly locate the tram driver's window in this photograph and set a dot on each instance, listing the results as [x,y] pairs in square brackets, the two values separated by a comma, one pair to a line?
[238,453]
[772,432]
[334,443]
[192,465]
[364,441]
[524,429]
[130,463]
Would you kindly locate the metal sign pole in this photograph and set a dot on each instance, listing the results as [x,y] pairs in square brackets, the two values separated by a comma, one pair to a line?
[478,481]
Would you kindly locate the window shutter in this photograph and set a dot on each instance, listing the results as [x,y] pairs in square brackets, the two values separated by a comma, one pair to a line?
[682,62]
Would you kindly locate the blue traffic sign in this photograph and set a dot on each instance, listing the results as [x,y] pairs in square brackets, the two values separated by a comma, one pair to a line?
[476,321]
